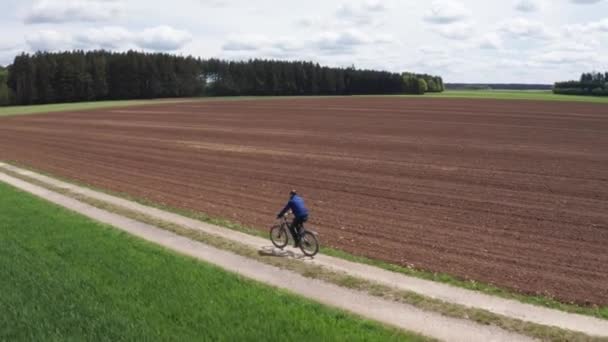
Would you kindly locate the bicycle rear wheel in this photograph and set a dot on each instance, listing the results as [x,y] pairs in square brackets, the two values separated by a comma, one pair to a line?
[279,236]
[309,244]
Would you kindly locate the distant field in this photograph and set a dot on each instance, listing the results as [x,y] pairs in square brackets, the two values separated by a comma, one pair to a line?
[541,95]
[64,277]
[61,107]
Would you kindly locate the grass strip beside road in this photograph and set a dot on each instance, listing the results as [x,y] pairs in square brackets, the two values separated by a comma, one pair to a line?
[65,277]
[338,278]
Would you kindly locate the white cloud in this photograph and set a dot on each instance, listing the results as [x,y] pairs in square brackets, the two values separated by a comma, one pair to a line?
[160,38]
[49,40]
[62,11]
[447,11]
[433,50]
[528,6]
[246,43]
[163,38]
[586,2]
[325,43]
[343,42]
[308,22]
[456,31]
[214,3]
[491,41]
[360,14]
[567,57]
[578,44]
[287,45]
[597,26]
[527,29]
[8,44]
[106,37]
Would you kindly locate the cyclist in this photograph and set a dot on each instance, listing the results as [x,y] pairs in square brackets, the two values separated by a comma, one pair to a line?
[300,213]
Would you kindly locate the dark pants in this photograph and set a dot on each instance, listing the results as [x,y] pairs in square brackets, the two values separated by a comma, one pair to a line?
[296,227]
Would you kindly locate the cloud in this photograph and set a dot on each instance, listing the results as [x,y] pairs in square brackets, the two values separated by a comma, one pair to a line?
[63,11]
[48,40]
[585,2]
[528,6]
[162,38]
[343,42]
[522,28]
[307,22]
[592,27]
[447,12]
[433,50]
[360,15]
[491,41]
[340,41]
[214,3]
[328,43]
[8,44]
[456,31]
[105,38]
[567,57]
[287,46]
[246,43]
[580,52]
[578,44]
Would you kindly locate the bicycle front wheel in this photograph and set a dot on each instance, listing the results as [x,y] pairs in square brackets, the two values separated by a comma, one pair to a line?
[279,236]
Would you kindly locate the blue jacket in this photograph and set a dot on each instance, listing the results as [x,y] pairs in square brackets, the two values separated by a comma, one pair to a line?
[296,204]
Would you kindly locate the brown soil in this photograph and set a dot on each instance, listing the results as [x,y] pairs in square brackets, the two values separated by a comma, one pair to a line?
[513,193]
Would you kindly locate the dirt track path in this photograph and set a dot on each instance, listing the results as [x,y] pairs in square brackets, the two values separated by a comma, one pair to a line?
[510,308]
[388,312]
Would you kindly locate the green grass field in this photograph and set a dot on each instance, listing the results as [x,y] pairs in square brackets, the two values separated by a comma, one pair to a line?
[60,107]
[65,277]
[517,95]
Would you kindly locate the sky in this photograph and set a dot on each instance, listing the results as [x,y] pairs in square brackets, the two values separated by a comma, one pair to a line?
[490,41]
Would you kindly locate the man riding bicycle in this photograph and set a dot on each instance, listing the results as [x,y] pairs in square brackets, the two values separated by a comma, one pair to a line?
[300,213]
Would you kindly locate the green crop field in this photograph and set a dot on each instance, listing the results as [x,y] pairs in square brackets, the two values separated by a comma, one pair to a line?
[516,95]
[60,107]
[65,277]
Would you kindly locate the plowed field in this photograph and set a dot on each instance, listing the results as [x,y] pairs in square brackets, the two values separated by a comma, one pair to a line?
[513,193]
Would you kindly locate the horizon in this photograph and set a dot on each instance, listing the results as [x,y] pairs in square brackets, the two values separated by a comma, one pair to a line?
[464,41]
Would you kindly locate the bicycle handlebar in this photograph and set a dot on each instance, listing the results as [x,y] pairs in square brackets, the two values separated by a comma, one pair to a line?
[285,215]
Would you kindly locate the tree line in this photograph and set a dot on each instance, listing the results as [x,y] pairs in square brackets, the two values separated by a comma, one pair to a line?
[72,76]
[422,83]
[100,75]
[5,92]
[267,77]
[590,84]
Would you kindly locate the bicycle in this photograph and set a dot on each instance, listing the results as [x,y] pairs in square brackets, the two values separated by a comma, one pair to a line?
[279,235]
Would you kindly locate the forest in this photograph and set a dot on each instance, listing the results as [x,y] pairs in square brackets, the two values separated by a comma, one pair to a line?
[590,84]
[72,76]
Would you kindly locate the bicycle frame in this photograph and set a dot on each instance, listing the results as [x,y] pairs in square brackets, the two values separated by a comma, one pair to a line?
[288,223]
